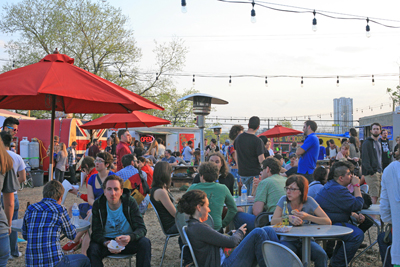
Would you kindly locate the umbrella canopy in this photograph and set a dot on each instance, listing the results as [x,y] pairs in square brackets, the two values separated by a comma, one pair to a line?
[54,83]
[134,119]
[76,90]
[280,131]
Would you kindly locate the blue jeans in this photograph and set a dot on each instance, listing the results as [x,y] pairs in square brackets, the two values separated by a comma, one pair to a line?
[352,242]
[318,254]
[14,235]
[383,247]
[249,251]
[4,249]
[243,217]
[76,260]
[248,182]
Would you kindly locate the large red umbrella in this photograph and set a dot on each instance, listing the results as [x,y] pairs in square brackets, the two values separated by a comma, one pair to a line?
[280,131]
[54,83]
[134,119]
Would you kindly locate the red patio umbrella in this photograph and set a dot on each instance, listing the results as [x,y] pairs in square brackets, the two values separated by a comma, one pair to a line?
[134,119]
[54,83]
[280,131]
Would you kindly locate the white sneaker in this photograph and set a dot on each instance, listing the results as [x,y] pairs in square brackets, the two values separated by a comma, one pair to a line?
[13,257]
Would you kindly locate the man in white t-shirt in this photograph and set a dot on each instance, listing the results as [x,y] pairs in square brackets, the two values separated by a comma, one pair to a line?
[19,169]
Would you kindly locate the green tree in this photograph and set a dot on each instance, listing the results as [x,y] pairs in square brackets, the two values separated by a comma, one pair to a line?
[394,95]
[286,124]
[97,36]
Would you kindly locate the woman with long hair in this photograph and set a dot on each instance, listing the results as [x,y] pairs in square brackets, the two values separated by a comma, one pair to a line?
[153,149]
[354,151]
[212,248]
[8,185]
[302,209]
[62,157]
[139,149]
[225,177]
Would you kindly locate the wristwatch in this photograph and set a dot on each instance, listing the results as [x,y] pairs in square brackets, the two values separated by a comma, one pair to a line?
[356,185]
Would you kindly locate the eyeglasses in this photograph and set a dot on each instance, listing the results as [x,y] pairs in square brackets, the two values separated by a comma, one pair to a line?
[290,189]
[99,161]
[12,128]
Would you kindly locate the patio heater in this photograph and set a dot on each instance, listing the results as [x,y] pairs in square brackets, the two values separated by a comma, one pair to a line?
[217,131]
[201,108]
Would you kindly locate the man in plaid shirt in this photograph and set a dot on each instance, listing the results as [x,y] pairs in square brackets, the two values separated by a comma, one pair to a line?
[43,223]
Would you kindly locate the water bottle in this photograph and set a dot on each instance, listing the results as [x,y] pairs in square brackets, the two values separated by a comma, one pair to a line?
[75,215]
[235,190]
[244,194]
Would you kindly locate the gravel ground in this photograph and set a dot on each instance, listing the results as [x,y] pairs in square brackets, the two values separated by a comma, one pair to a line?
[155,234]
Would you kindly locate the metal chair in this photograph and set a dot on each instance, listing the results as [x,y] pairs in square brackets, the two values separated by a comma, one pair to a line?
[276,254]
[120,256]
[186,239]
[387,252]
[180,221]
[335,239]
[167,236]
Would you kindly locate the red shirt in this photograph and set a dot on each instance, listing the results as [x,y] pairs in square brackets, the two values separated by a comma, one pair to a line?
[122,150]
[84,196]
[149,171]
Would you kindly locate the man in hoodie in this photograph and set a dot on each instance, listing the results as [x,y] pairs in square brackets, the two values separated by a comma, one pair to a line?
[116,217]
[372,161]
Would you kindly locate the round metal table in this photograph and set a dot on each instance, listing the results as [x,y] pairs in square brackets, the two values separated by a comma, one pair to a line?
[83,225]
[306,232]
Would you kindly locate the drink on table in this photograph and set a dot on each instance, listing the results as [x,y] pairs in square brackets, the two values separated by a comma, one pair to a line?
[236,190]
[285,215]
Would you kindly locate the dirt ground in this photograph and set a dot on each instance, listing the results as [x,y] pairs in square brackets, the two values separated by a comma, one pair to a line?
[155,234]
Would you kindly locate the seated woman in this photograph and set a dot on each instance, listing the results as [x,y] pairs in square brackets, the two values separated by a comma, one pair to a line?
[320,176]
[344,153]
[302,210]
[162,198]
[225,177]
[218,195]
[212,248]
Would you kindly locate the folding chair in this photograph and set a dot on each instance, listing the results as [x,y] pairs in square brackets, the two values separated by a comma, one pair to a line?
[276,254]
[120,256]
[387,252]
[167,236]
[186,238]
[335,239]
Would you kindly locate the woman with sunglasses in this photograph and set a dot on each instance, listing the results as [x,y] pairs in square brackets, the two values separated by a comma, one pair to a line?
[212,248]
[302,210]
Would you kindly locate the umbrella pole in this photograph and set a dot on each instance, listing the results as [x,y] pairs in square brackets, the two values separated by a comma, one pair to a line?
[53,115]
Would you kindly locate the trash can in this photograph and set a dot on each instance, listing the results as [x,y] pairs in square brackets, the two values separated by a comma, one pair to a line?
[37,177]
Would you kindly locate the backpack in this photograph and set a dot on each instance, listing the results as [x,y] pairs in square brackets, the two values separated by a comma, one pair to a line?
[138,186]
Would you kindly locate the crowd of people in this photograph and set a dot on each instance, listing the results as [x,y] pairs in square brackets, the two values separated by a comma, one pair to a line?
[125,177]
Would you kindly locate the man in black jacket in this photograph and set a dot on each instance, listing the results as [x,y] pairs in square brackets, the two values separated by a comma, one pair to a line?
[372,162]
[116,217]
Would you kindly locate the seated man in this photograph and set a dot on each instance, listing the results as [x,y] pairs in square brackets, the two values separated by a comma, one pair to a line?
[43,223]
[268,192]
[169,158]
[294,163]
[339,204]
[129,162]
[116,217]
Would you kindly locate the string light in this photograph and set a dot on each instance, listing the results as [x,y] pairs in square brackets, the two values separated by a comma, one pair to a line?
[193,80]
[373,80]
[183,4]
[156,76]
[253,13]
[230,80]
[266,82]
[314,22]
[368,33]
[337,81]
[301,81]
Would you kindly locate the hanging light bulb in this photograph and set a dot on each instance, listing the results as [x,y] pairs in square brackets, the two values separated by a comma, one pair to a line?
[368,33]
[253,14]
[13,64]
[266,82]
[183,4]
[301,81]
[156,76]
[337,81]
[373,80]
[194,80]
[314,23]
[230,80]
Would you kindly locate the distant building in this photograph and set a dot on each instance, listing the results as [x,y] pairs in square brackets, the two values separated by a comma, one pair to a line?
[343,114]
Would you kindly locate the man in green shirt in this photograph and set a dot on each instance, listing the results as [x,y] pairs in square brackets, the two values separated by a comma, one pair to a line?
[217,194]
[268,192]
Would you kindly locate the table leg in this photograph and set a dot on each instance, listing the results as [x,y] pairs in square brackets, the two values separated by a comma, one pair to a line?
[306,251]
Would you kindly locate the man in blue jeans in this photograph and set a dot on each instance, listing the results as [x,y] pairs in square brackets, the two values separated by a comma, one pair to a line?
[43,223]
[338,203]
[249,153]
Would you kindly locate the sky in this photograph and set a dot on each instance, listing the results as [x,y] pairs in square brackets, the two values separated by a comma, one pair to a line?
[222,41]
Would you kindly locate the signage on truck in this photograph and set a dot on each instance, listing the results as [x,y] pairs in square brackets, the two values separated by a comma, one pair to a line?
[183,138]
[289,139]
[389,130]
[147,139]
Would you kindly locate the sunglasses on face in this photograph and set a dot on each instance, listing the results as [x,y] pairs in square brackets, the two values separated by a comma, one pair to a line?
[12,128]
